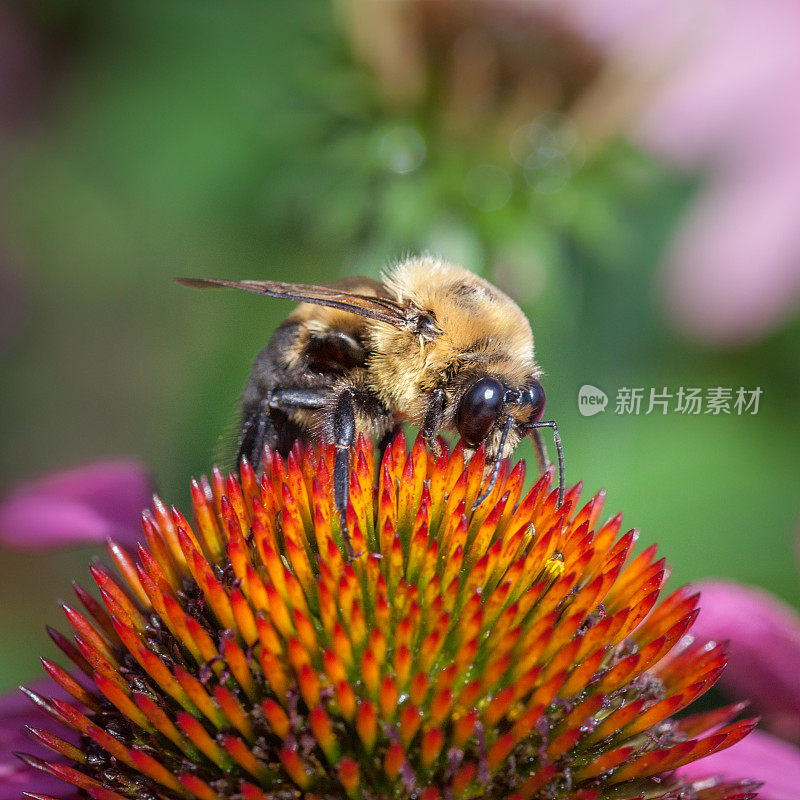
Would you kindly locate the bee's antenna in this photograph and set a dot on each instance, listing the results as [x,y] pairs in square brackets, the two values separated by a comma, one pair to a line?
[496,466]
[532,426]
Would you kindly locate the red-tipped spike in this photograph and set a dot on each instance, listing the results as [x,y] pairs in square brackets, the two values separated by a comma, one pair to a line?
[502,651]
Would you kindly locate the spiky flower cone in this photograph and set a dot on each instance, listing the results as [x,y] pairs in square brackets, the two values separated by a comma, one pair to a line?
[511,652]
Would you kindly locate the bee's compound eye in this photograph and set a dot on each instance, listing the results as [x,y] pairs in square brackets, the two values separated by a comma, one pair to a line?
[534,397]
[478,410]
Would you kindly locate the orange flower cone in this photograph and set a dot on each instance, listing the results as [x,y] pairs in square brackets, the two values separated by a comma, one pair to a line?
[517,651]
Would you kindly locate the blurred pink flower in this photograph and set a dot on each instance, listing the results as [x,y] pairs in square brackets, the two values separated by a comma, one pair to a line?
[707,85]
[16,713]
[764,651]
[80,505]
[76,506]
[711,85]
[763,636]
[758,757]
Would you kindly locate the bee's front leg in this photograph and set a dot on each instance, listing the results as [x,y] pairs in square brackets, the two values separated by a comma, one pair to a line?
[541,456]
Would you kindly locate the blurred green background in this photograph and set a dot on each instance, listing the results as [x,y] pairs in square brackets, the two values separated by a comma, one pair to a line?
[245,140]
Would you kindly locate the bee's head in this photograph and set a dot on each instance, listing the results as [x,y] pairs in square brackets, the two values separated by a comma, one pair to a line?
[486,401]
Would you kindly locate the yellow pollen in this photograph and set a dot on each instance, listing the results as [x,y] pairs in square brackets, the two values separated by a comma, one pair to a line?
[554,566]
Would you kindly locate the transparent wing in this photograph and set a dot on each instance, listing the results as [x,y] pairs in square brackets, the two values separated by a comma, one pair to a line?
[399,315]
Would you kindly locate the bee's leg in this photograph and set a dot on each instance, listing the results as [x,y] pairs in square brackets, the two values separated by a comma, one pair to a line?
[258,429]
[285,398]
[343,429]
[433,420]
[344,434]
[532,427]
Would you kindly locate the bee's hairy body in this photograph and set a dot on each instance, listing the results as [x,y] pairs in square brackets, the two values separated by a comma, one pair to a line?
[433,345]
[391,372]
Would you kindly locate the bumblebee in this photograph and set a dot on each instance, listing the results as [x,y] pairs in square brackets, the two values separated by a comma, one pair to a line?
[433,345]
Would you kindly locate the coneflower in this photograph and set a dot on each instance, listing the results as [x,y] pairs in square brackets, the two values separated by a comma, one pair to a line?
[515,651]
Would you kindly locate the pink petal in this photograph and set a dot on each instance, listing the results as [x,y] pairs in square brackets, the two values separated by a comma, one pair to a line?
[764,662]
[759,757]
[712,85]
[17,711]
[610,23]
[84,504]
[732,63]
[733,266]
